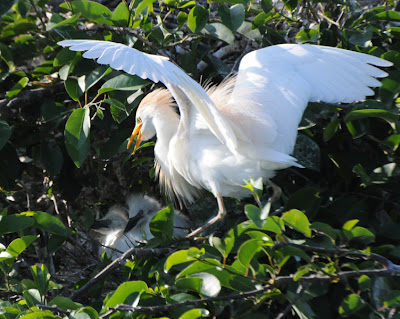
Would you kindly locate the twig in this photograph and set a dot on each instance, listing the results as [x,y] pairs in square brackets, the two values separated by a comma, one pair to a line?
[342,252]
[134,252]
[390,269]
[299,293]
[54,308]
[279,281]
[123,30]
[30,97]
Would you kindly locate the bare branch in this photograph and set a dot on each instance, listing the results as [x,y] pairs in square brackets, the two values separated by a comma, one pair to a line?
[30,97]
[54,308]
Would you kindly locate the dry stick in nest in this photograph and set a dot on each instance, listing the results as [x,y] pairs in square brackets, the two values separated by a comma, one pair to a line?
[390,269]
[134,252]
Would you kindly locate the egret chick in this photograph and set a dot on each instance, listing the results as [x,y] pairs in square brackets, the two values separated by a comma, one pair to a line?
[246,127]
[122,229]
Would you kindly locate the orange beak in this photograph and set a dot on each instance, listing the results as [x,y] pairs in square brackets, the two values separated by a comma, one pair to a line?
[136,131]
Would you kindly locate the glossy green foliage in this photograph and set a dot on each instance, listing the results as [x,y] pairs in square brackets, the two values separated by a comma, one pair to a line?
[63,161]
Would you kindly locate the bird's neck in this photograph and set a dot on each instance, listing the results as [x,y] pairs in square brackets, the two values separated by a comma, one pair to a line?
[166,125]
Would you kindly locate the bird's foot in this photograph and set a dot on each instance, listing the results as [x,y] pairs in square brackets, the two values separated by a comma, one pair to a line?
[221,214]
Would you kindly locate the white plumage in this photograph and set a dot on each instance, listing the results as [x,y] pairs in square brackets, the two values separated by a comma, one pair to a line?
[122,229]
[244,128]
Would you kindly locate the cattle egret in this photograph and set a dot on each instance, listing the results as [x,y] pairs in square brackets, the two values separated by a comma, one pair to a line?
[122,230]
[244,128]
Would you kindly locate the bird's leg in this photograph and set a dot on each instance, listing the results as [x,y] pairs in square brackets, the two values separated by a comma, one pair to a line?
[221,214]
[276,191]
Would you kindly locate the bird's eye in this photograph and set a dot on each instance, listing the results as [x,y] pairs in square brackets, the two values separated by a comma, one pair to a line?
[138,120]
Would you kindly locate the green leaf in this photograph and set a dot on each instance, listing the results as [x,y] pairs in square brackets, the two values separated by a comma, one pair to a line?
[72,88]
[63,57]
[70,21]
[255,186]
[307,36]
[304,270]
[17,246]
[18,87]
[118,110]
[203,283]
[92,10]
[390,88]
[177,258]
[162,224]
[298,221]
[349,225]
[144,4]
[274,224]
[41,278]
[294,251]
[96,75]
[365,283]
[256,215]
[6,5]
[350,305]
[389,15]
[64,303]
[266,5]
[76,135]
[362,232]
[326,229]
[33,298]
[232,17]
[182,18]
[121,14]
[366,113]
[197,18]
[14,223]
[123,82]
[392,299]
[128,290]
[331,129]
[218,31]
[362,37]
[49,223]
[7,56]
[206,265]
[248,250]
[5,133]
[195,313]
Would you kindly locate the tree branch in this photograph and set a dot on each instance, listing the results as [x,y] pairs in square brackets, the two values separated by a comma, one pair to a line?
[390,269]
[54,308]
[133,252]
[29,97]
[279,281]
[343,252]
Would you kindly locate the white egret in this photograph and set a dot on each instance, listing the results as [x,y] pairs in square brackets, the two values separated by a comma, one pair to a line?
[244,128]
[122,229]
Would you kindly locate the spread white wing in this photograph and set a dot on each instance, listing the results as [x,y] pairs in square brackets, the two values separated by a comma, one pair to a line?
[280,80]
[189,95]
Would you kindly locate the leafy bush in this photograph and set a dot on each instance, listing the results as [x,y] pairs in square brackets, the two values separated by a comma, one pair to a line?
[329,248]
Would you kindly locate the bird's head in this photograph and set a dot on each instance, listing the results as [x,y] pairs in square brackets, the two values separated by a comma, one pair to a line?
[114,221]
[153,104]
